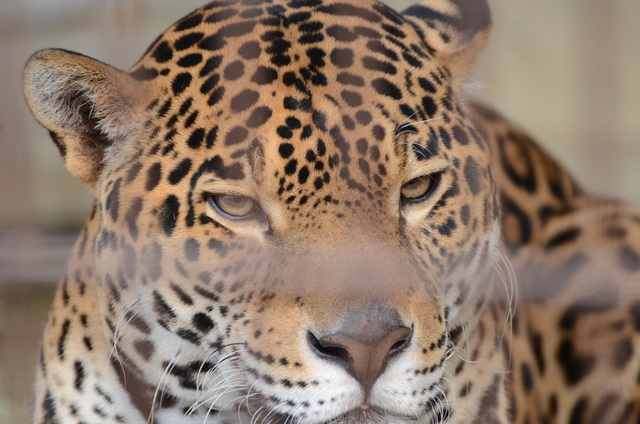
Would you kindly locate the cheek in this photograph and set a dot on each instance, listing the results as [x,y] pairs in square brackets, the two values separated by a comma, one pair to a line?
[456,246]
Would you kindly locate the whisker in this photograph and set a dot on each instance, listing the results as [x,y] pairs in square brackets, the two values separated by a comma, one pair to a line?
[166,372]
[424,121]
[401,125]
[510,285]
[116,337]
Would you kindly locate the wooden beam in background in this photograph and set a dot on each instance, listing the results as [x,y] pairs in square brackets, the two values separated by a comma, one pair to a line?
[33,258]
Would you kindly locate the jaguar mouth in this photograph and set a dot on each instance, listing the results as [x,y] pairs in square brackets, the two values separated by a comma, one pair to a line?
[366,414]
[363,414]
[260,408]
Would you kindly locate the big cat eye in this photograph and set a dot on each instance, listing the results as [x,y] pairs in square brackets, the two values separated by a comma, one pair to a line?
[420,189]
[232,206]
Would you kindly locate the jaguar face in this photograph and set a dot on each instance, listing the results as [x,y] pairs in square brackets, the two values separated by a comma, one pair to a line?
[294,216]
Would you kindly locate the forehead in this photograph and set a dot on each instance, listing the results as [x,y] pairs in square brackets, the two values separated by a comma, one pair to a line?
[302,104]
[323,87]
[252,58]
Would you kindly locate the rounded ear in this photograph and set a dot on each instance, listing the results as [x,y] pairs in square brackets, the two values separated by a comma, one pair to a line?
[457,29]
[89,108]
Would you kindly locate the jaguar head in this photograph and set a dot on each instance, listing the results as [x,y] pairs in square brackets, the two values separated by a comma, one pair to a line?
[294,215]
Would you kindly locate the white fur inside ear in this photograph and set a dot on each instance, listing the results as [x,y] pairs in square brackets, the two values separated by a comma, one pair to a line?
[69,96]
[90,108]
[44,88]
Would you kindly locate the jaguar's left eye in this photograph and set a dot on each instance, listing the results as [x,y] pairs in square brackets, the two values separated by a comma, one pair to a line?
[419,189]
[232,206]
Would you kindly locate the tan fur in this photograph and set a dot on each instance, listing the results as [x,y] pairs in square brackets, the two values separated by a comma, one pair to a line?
[502,294]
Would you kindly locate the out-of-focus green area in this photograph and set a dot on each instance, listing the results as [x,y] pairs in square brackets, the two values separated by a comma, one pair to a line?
[567,71]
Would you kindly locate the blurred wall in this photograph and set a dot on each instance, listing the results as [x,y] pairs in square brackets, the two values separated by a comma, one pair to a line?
[567,71]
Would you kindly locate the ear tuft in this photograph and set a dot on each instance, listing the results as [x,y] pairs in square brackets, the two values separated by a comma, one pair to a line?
[457,29]
[86,105]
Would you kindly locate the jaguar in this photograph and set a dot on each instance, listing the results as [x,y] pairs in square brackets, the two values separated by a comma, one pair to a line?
[299,216]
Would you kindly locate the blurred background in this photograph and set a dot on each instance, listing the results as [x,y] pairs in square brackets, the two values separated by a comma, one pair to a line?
[567,71]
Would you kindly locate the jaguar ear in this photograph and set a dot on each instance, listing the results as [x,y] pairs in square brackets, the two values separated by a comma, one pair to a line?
[89,108]
[457,29]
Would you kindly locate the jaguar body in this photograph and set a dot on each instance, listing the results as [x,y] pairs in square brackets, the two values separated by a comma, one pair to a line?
[300,217]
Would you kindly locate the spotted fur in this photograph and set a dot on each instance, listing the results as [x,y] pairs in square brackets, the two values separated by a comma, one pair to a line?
[300,218]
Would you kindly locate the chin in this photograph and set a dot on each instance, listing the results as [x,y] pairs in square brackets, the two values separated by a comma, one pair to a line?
[372,416]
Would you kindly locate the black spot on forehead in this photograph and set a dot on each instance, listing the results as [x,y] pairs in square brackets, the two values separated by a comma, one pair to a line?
[180,171]
[250,50]
[237,29]
[211,65]
[342,33]
[342,57]
[346,78]
[163,52]
[244,100]
[181,82]
[211,43]
[234,71]
[218,167]
[352,98]
[364,117]
[387,88]
[190,60]
[376,65]
[188,40]
[216,96]
[210,84]
[196,138]
[259,116]
[236,136]
[377,46]
[264,75]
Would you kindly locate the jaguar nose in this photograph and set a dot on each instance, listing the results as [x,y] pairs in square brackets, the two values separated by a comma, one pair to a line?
[365,342]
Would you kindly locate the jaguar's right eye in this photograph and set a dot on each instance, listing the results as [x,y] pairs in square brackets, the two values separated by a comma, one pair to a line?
[233,206]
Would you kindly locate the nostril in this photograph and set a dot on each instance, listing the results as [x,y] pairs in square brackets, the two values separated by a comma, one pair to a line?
[327,351]
[406,334]
[364,343]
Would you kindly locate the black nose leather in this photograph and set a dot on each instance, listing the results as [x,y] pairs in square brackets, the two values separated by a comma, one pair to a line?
[365,342]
